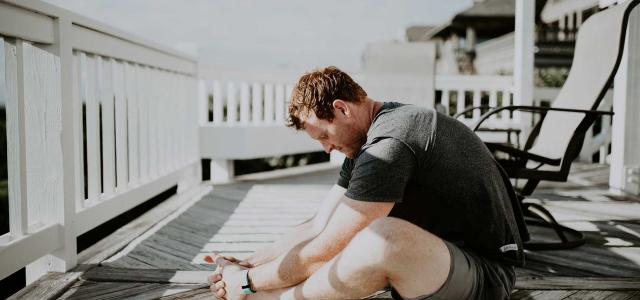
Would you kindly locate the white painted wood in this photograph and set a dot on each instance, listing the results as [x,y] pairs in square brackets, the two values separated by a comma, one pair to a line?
[218,103]
[232,104]
[23,250]
[101,212]
[106,95]
[152,122]
[122,172]
[92,41]
[16,152]
[460,105]
[445,100]
[244,103]
[280,98]
[47,9]
[476,103]
[222,170]
[203,102]
[268,103]
[88,94]
[131,94]
[523,58]
[25,24]
[253,142]
[143,109]
[75,117]
[257,101]
[493,102]
[625,151]
[66,258]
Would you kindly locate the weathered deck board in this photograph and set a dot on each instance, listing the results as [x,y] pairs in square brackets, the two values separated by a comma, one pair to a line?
[166,261]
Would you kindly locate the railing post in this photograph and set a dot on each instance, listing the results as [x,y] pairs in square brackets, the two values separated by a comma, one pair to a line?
[244,103]
[523,59]
[268,103]
[217,103]
[65,258]
[232,104]
[280,104]
[256,94]
[625,147]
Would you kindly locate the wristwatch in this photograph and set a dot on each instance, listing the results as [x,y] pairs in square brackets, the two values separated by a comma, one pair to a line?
[246,285]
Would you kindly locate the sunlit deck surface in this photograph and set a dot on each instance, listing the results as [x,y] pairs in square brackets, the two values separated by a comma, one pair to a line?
[164,260]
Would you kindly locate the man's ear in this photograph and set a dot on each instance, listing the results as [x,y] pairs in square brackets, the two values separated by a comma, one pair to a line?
[340,106]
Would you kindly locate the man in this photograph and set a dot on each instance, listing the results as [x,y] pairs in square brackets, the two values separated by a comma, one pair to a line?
[420,206]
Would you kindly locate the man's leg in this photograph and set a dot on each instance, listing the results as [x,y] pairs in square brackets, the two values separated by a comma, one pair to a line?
[389,251]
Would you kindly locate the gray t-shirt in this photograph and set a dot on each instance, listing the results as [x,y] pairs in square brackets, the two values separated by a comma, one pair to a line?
[441,177]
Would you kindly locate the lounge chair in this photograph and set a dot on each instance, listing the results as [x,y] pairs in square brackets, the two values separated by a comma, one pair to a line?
[557,138]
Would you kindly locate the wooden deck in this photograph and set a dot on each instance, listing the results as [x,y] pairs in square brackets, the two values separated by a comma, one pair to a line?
[148,259]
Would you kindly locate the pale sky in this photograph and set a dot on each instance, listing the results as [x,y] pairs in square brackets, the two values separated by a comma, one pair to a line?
[275,34]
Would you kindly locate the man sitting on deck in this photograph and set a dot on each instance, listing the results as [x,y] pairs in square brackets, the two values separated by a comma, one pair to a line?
[420,206]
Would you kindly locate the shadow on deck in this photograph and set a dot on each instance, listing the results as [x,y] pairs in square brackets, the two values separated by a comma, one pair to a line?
[165,260]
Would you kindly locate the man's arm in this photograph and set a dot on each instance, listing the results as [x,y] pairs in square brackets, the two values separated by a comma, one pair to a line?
[302,232]
[298,263]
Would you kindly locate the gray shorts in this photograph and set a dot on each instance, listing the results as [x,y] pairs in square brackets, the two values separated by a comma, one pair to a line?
[472,277]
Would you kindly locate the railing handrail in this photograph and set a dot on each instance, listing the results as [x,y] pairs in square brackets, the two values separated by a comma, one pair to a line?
[57,12]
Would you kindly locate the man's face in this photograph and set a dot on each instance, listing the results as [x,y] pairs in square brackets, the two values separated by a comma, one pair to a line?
[340,134]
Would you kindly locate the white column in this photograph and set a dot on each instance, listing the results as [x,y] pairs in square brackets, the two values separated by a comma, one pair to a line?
[222,170]
[64,259]
[625,148]
[523,58]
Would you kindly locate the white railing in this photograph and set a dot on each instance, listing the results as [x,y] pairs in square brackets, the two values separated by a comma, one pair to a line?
[457,93]
[97,123]
[246,121]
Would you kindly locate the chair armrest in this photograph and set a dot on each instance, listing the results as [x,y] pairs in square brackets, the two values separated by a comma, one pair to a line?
[472,109]
[538,109]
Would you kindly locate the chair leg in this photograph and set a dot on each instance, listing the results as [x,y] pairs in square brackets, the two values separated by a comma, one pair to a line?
[543,218]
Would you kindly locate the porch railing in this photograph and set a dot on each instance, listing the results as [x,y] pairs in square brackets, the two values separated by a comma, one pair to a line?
[98,122]
[245,121]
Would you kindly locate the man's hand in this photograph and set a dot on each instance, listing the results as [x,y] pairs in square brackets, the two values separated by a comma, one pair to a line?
[226,281]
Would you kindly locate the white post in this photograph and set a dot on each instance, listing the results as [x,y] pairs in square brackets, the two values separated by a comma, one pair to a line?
[268,103]
[280,104]
[222,170]
[244,103]
[64,259]
[232,104]
[523,59]
[625,135]
[203,103]
[256,90]
[217,103]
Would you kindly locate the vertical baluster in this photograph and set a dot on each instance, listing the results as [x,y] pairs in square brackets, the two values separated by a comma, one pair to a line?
[232,103]
[152,108]
[122,176]
[493,102]
[12,64]
[88,92]
[280,98]
[78,128]
[268,103]
[203,102]
[131,90]
[143,112]
[445,100]
[217,103]
[244,103]
[257,95]
[460,105]
[476,102]
[159,122]
[108,138]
